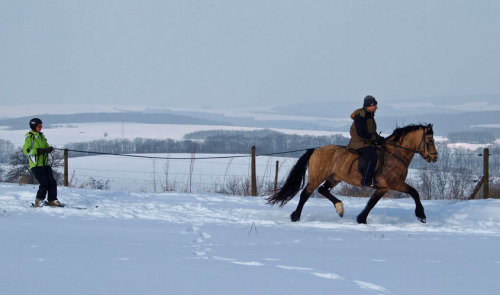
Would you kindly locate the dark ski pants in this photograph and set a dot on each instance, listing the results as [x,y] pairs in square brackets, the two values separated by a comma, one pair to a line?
[370,155]
[47,182]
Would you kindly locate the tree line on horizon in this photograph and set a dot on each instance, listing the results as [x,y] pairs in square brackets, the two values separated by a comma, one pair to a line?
[215,142]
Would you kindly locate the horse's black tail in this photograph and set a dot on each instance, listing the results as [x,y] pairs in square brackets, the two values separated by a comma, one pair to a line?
[294,182]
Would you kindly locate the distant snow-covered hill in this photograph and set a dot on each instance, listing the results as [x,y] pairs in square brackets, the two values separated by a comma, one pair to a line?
[450,114]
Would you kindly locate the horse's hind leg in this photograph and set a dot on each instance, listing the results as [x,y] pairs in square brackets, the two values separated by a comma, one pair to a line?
[377,195]
[304,196]
[325,191]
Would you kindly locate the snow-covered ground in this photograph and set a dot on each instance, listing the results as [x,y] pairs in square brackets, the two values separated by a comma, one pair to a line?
[176,243]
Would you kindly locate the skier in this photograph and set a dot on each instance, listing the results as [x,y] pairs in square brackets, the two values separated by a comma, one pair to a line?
[37,149]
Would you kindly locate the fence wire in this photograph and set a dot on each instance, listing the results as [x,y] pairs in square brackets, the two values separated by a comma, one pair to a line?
[220,174]
[452,177]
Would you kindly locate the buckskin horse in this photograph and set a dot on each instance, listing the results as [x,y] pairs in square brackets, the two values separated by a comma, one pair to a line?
[333,164]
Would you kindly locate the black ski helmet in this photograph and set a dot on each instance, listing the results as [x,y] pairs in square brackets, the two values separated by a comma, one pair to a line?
[34,122]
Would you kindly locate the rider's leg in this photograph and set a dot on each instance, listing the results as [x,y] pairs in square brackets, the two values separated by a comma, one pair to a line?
[369,153]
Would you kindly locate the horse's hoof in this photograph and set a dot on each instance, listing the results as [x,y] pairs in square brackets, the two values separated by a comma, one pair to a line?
[340,208]
[420,215]
[361,220]
[295,217]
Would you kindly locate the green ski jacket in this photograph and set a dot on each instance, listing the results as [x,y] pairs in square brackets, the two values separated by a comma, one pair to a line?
[32,143]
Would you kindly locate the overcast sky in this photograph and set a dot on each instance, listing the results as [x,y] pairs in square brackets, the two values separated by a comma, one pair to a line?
[245,53]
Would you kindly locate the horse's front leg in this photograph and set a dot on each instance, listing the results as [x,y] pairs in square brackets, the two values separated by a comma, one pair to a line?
[377,195]
[304,196]
[419,209]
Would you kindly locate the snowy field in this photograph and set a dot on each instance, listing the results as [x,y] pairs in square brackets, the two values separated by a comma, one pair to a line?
[174,171]
[176,243]
[60,135]
[143,174]
[131,240]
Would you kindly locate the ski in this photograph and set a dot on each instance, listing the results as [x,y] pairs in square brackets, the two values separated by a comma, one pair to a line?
[46,204]
[82,208]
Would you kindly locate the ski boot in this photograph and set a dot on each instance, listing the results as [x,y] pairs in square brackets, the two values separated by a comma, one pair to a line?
[55,203]
[38,203]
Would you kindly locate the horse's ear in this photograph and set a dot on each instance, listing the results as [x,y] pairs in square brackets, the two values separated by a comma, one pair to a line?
[428,129]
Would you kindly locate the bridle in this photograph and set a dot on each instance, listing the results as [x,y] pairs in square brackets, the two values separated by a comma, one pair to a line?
[425,143]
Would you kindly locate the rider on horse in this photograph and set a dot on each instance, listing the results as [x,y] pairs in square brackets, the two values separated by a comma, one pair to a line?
[365,140]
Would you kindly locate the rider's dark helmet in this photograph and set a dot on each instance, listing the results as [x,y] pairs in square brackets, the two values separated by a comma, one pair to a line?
[34,122]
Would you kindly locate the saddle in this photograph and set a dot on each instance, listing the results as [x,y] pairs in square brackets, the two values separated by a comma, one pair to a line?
[362,162]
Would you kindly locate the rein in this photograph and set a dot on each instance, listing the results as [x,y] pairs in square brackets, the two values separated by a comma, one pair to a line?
[423,141]
[401,147]
[397,157]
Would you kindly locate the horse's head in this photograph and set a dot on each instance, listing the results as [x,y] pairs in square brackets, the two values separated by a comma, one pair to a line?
[427,149]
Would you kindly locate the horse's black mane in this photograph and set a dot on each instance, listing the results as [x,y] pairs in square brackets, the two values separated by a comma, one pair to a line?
[402,131]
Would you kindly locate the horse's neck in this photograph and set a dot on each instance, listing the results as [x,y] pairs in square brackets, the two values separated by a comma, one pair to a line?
[408,150]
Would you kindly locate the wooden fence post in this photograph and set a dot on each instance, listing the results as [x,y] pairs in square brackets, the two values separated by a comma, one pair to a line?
[485,180]
[276,177]
[486,167]
[254,174]
[66,183]
[476,189]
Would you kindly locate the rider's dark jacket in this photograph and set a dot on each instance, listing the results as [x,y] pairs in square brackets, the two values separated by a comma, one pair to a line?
[363,129]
